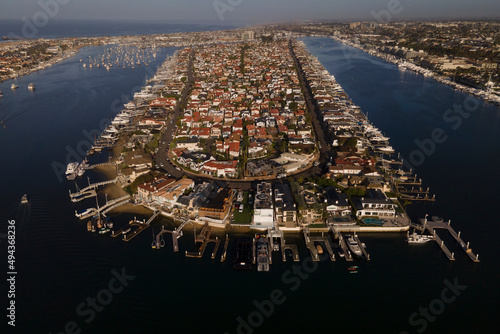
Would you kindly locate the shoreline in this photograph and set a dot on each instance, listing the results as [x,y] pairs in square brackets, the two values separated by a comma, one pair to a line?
[51,62]
[471,91]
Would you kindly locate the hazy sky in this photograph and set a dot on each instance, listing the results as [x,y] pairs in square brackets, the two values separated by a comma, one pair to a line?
[248,11]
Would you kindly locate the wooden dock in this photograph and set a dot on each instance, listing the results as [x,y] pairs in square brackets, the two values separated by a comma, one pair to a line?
[129,236]
[224,252]
[310,244]
[431,226]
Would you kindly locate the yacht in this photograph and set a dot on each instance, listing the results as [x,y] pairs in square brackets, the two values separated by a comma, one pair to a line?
[387,149]
[415,238]
[353,245]
[262,254]
[71,170]
[14,87]
[24,199]
[31,86]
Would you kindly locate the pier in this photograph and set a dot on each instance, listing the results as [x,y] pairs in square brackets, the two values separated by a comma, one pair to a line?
[432,225]
[310,244]
[204,237]
[141,226]
[176,234]
[99,165]
[224,252]
[88,189]
[110,205]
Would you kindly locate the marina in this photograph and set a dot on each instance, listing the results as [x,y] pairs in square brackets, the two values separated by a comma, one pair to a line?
[437,223]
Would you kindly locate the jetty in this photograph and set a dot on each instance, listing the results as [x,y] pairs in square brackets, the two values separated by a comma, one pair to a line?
[437,223]
[224,252]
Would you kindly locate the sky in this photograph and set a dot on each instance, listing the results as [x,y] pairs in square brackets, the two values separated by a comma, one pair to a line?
[247,11]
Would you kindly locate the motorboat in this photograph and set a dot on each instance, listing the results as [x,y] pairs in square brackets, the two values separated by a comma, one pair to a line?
[353,245]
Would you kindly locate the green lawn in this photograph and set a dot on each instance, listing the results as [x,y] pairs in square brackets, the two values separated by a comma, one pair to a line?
[246,216]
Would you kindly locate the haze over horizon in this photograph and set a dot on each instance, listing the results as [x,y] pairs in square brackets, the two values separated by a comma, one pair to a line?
[246,12]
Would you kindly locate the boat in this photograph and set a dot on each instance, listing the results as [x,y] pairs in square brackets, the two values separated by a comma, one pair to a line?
[125,231]
[24,199]
[353,245]
[319,249]
[262,254]
[276,246]
[14,87]
[1,94]
[31,86]
[340,251]
[415,238]
[104,230]
[71,170]
[353,272]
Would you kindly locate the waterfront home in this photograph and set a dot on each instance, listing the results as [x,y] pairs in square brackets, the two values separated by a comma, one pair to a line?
[375,203]
[217,208]
[337,203]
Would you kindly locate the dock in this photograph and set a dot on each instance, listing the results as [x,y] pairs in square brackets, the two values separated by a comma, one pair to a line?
[432,225]
[110,205]
[176,234]
[88,189]
[324,239]
[129,236]
[310,244]
[291,247]
[363,249]
[224,252]
[204,237]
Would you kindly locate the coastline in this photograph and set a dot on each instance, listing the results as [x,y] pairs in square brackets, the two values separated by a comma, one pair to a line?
[477,93]
[53,61]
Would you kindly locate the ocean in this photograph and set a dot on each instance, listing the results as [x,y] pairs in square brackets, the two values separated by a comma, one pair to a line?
[69,279]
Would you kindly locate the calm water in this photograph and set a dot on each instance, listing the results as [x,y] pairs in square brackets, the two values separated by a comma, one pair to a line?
[60,264]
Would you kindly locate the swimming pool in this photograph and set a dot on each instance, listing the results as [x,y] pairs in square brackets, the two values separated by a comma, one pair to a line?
[374,221]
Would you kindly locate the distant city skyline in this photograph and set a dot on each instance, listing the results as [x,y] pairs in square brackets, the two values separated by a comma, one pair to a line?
[249,12]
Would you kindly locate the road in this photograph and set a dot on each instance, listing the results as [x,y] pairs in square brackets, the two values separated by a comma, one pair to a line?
[161,158]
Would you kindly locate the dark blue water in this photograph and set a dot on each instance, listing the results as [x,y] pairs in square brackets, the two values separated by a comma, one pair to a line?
[91,28]
[61,267]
